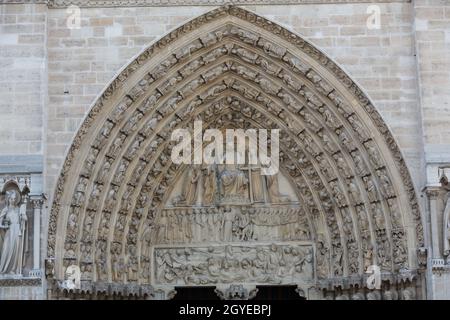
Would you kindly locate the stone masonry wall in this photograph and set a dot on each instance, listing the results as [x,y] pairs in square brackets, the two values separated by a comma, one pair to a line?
[23,88]
[432,29]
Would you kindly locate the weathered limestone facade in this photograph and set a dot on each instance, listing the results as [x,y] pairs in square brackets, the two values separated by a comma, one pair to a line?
[53,81]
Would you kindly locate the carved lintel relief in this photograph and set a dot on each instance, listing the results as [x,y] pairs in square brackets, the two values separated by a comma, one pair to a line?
[274,264]
[342,185]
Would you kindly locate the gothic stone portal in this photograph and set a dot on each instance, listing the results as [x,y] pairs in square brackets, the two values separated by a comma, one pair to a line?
[132,219]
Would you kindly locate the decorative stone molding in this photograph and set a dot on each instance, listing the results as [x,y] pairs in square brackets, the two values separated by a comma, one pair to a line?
[107,289]
[22,181]
[236,292]
[439,266]
[20,282]
[165,3]
[23,1]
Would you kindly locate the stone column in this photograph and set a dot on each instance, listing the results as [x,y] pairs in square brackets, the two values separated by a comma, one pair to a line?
[433,194]
[37,209]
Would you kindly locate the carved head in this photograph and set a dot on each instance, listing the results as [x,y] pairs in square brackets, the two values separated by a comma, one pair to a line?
[12,198]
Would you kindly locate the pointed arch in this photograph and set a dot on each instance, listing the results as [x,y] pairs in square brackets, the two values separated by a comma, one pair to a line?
[348,171]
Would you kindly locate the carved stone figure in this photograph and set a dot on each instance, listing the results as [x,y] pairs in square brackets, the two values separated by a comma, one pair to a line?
[311,122]
[271,48]
[408,294]
[134,148]
[95,196]
[390,295]
[150,103]
[104,170]
[267,85]
[371,189]
[358,127]
[79,195]
[328,143]
[273,189]
[246,36]
[102,135]
[386,184]
[117,263]
[72,224]
[326,168]
[337,256]
[245,54]
[111,198]
[337,193]
[323,263]
[192,186]
[354,191]
[257,185]
[89,162]
[233,183]
[191,67]
[214,55]
[120,172]
[119,111]
[228,219]
[329,118]
[396,217]
[209,185]
[342,165]
[374,155]
[345,139]
[353,256]
[132,123]
[362,218]
[368,254]
[13,220]
[117,145]
[100,261]
[378,215]
[361,168]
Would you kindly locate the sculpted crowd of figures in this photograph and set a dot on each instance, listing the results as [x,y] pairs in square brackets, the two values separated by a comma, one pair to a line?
[225,224]
[214,184]
[270,264]
[234,76]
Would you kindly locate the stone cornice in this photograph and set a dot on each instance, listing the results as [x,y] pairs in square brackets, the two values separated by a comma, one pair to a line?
[164,3]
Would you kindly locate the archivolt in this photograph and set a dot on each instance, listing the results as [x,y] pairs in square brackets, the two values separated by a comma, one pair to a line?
[231,66]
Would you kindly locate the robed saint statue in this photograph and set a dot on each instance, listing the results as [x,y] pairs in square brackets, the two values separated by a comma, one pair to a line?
[13,220]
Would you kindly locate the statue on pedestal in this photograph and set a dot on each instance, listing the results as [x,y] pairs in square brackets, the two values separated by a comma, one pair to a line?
[13,220]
